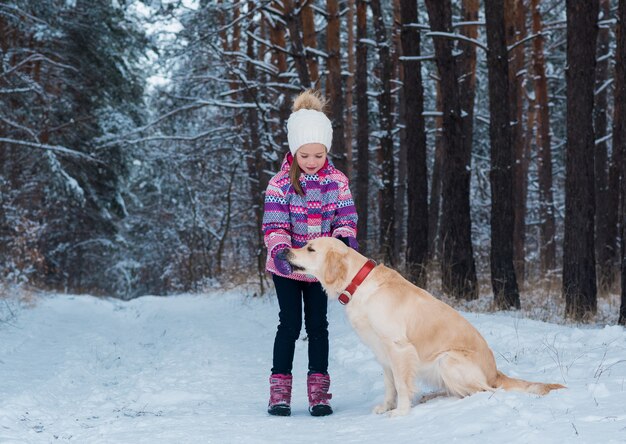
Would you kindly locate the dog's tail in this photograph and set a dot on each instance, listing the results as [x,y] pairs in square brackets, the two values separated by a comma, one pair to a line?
[519,385]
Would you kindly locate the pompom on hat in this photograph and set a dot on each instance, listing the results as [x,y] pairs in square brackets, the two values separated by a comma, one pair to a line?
[308,123]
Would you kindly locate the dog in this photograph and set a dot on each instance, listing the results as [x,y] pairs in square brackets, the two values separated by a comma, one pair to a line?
[412,334]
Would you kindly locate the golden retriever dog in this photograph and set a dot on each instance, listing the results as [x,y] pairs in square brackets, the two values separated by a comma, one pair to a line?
[413,334]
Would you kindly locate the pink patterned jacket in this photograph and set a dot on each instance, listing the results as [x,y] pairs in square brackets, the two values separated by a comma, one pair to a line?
[290,220]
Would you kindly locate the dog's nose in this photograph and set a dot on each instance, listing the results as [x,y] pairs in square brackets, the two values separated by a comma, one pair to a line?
[282,255]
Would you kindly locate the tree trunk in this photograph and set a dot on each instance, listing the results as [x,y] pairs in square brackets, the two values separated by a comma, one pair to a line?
[334,88]
[547,244]
[349,89]
[434,208]
[503,280]
[254,153]
[362,135]
[619,137]
[221,17]
[4,46]
[228,49]
[606,240]
[415,142]
[294,24]
[236,39]
[515,16]
[401,151]
[277,39]
[467,71]
[579,274]
[457,264]
[387,222]
[309,37]
[279,60]
[270,139]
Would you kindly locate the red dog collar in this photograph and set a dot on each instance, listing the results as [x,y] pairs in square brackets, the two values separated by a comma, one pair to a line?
[346,295]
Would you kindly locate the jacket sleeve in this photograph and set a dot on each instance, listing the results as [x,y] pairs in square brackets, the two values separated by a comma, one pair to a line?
[344,222]
[276,222]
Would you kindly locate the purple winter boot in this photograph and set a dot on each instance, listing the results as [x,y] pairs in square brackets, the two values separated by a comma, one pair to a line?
[280,395]
[317,387]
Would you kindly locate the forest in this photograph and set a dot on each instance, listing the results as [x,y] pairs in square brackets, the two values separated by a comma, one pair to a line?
[484,141]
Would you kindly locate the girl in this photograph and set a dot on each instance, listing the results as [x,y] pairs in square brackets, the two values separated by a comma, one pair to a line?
[307,199]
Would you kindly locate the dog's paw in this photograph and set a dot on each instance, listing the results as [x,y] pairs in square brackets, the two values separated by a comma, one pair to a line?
[383,408]
[398,412]
[379,409]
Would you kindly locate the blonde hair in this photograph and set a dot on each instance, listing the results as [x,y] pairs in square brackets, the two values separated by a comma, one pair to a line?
[294,177]
[308,99]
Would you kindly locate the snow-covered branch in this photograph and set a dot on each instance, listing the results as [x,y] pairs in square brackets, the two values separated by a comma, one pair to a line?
[524,40]
[448,35]
[45,146]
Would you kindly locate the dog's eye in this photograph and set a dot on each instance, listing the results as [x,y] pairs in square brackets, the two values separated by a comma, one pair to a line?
[310,249]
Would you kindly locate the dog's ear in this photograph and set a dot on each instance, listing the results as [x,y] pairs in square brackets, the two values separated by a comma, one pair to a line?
[335,267]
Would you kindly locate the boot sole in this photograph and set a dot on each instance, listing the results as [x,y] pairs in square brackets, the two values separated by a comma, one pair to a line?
[279,410]
[321,410]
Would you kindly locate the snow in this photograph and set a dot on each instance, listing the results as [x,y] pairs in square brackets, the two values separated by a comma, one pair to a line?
[194,368]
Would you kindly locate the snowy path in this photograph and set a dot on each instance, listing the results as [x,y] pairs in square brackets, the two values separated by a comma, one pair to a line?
[193,369]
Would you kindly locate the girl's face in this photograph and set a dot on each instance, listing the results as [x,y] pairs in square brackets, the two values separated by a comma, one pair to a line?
[311,157]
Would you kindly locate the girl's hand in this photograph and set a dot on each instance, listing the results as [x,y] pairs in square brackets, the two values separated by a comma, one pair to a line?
[280,261]
[350,242]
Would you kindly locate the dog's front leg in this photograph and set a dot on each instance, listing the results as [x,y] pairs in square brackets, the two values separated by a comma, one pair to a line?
[390,393]
[403,360]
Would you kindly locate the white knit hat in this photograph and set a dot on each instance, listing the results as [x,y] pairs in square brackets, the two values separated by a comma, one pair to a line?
[308,126]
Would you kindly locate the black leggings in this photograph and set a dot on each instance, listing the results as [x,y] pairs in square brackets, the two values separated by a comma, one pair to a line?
[290,294]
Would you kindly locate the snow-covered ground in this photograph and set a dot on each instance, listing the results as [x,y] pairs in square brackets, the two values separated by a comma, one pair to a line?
[194,369]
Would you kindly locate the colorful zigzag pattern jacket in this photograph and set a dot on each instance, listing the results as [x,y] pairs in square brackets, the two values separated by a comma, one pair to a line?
[290,220]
